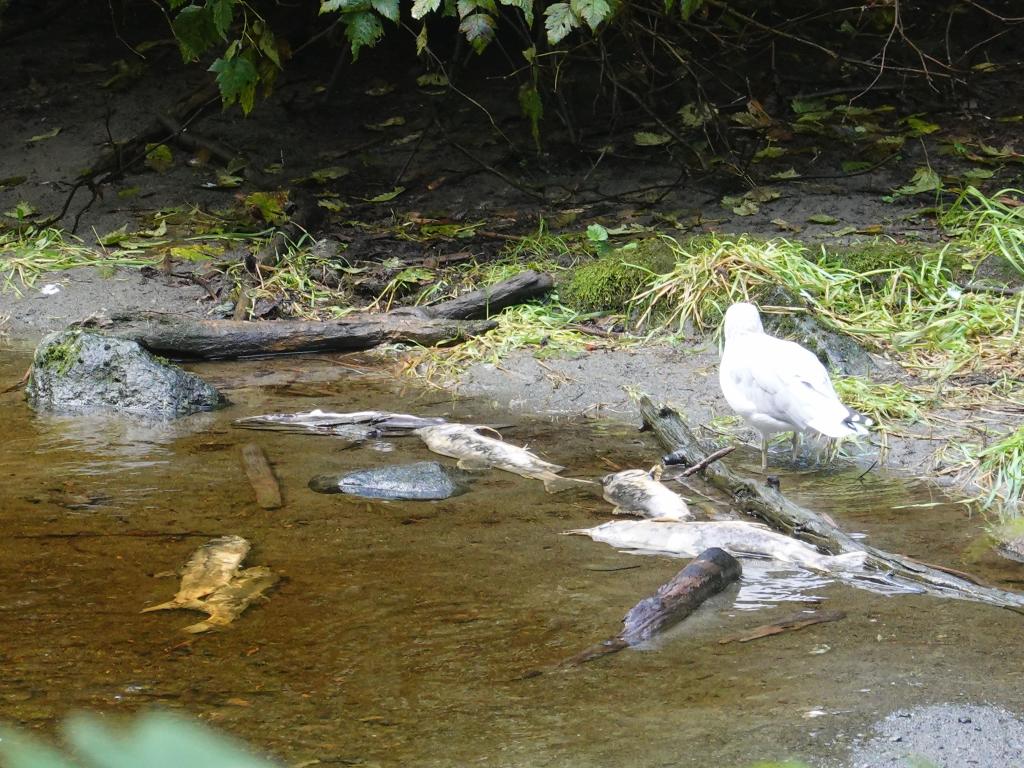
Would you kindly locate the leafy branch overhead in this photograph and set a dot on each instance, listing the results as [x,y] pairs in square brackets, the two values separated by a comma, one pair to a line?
[252,56]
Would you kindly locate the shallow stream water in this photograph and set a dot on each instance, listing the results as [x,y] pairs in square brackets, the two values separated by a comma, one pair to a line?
[411,633]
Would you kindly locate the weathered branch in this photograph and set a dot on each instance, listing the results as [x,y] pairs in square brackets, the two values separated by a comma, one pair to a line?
[492,299]
[706,575]
[759,500]
[182,336]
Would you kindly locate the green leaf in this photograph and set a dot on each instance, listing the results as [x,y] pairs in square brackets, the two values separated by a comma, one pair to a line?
[789,173]
[266,42]
[236,79]
[421,8]
[43,136]
[596,233]
[694,115]
[822,218]
[690,7]
[156,740]
[559,21]
[115,237]
[466,7]
[769,153]
[21,211]
[18,751]
[386,197]
[386,8]
[391,122]
[362,29]
[343,6]
[919,127]
[923,180]
[223,12]
[591,11]
[478,29]
[533,109]
[526,6]
[431,78]
[852,166]
[421,41]
[159,157]
[195,31]
[649,139]
[268,206]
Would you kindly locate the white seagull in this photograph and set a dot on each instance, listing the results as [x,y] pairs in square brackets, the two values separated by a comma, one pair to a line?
[778,386]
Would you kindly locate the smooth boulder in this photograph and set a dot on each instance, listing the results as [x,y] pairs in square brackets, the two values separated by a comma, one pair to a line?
[76,371]
[420,481]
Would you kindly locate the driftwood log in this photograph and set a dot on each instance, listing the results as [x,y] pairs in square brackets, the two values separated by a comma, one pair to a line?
[182,336]
[261,476]
[489,301]
[706,575]
[755,498]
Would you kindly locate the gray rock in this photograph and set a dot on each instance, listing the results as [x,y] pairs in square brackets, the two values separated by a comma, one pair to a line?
[837,352]
[78,372]
[420,481]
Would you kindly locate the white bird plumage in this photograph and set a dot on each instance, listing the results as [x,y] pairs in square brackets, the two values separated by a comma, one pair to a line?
[778,386]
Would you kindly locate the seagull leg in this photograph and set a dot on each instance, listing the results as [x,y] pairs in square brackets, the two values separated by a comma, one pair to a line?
[796,444]
[764,452]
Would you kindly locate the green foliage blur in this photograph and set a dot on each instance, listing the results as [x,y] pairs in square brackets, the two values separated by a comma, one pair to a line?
[152,740]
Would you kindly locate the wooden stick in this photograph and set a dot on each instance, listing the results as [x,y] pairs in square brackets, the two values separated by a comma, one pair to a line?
[706,575]
[261,476]
[789,624]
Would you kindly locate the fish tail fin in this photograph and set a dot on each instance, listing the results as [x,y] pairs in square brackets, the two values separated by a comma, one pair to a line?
[555,484]
[850,561]
[199,628]
[168,606]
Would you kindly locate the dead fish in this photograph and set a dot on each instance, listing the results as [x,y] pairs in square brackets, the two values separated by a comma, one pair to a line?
[355,425]
[211,567]
[476,451]
[636,492]
[230,601]
[735,537]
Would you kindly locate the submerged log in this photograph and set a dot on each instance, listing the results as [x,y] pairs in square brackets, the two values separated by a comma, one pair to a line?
[769,504]
[261,476]
[182,336]
[489,301]
[709,573]
[706,575]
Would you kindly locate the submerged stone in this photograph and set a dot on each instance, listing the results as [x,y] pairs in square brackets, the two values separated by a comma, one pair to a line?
[420,481]
[76,371]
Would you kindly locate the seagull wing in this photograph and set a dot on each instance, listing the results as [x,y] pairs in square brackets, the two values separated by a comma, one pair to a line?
[784,381]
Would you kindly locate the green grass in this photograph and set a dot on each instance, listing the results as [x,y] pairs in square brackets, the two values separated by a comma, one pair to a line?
[998,469]
[882,402]
[915,311]
[26,255]
[546,328]
[989,224]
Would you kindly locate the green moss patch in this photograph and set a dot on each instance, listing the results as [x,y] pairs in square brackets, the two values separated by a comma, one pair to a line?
[609,283]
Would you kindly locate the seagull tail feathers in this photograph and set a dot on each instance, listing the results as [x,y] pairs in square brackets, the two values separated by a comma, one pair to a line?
[852,423]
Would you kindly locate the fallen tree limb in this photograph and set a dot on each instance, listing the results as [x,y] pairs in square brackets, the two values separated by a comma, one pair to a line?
[757,499]
[182,336]
[706,575]
[261,476]
[489,301]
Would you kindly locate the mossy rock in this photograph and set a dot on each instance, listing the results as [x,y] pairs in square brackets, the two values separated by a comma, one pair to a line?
[75,371]
[608,283]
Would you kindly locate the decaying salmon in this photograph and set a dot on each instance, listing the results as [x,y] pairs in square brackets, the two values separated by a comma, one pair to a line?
[211,582]
[476,451]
